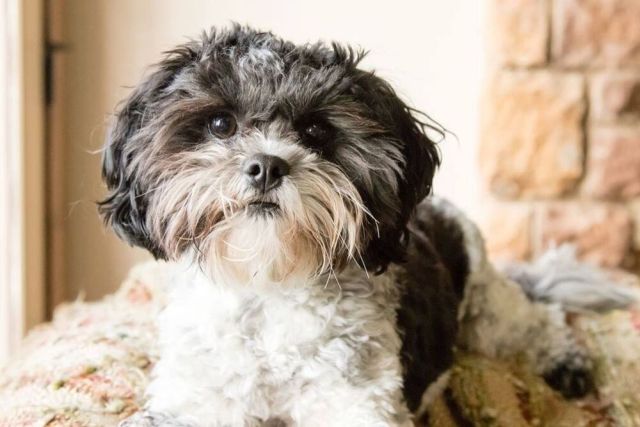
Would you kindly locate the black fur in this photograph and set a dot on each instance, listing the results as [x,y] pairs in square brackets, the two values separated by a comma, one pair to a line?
[422,159]
[432,280]
[572,382]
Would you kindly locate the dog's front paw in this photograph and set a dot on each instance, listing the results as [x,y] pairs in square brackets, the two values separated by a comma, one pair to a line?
[151,419]
[571,377]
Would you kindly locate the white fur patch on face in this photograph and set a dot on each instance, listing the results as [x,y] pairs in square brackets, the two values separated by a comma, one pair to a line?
[259,58]
[202,207]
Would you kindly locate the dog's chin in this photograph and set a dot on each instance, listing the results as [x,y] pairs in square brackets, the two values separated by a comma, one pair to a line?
[262,246]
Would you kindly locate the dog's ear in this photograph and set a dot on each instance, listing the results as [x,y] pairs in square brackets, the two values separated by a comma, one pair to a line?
[421,159]
[124,208]
[405,124]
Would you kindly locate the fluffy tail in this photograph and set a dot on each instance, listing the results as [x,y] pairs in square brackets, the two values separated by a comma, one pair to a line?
[557,277]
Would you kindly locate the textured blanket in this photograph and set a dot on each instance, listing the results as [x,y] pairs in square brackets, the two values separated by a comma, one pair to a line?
[90,365]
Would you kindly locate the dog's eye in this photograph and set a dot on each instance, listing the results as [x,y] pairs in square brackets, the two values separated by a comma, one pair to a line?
[222,125]
[316,131]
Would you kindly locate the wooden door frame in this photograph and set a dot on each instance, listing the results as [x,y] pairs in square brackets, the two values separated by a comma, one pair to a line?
[22,171]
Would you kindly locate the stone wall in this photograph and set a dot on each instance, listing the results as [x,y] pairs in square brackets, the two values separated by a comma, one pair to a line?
[560,148]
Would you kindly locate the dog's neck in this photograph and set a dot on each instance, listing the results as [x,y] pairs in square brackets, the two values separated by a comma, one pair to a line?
[349,278]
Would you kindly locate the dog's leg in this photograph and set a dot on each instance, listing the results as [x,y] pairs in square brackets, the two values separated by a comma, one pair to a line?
[497,319]
[355,377]
[333,402]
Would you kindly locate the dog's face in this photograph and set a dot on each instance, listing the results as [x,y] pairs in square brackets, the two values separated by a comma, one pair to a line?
[265,160]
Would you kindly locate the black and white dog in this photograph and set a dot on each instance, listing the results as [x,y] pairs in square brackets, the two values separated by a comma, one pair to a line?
[316,285]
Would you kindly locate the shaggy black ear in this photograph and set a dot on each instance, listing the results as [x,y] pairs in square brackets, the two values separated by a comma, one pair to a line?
[406,125]
[421,157]
[125,206]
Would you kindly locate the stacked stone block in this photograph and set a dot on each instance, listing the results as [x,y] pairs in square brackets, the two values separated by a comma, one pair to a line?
[560,129]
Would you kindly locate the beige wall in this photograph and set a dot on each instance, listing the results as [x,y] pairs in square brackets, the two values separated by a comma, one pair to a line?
[431,51]
[561,130]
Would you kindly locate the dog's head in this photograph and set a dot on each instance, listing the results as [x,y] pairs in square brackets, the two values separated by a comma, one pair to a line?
[266,160]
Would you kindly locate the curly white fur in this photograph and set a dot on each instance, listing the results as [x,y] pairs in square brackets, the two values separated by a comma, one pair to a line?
[323,355]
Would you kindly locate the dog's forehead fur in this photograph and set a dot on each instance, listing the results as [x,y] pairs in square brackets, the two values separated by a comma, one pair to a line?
[259,75]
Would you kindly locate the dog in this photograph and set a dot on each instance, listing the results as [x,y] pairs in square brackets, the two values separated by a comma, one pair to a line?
[318,282]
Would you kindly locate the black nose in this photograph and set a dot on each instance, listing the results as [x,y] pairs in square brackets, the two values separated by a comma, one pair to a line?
[265,172]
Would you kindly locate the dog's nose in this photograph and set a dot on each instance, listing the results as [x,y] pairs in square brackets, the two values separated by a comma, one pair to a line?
[265,172]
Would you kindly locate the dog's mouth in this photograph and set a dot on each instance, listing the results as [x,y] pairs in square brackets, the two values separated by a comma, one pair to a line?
[263,207]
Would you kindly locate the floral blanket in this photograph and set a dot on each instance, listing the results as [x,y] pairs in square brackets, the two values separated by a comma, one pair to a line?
[90,366]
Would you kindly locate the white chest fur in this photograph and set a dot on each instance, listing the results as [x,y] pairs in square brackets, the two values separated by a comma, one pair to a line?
[240,356]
